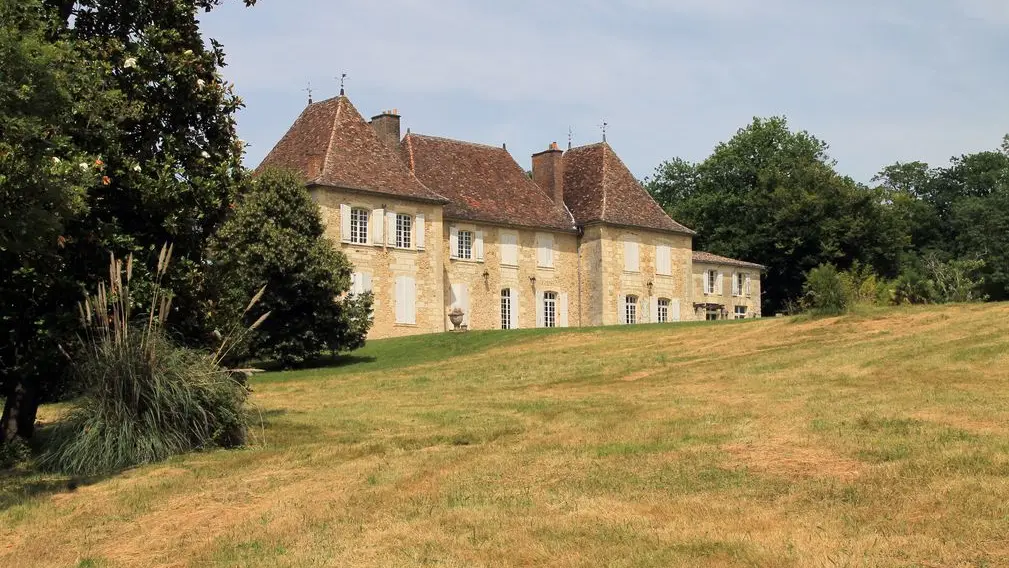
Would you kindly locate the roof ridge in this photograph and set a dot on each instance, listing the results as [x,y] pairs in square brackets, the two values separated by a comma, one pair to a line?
[446,139]
[332,133]
[602,182]
[409,151]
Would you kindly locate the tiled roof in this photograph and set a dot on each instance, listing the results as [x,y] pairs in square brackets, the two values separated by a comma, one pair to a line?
[598,187]
[332,145]
[482,183]
[708,258]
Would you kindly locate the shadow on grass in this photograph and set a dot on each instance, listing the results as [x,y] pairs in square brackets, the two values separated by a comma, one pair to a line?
[327,362]
[23,485]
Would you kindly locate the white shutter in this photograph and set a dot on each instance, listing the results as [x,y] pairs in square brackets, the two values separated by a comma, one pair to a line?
[411,299]
[515,308]
[390,228]
[674,310]
[344,222]
[735,285]
[540,253]
[748,285]
[539,310]
[653,309]
[622,310]
[478,246]
[663,260]
[378,226]
[355,282]
[401,300]
[366,282]
[549,245]
[509,248]
[419,231]
[631,263]
[562,310]
[453,242]
[544,250]
[719,285]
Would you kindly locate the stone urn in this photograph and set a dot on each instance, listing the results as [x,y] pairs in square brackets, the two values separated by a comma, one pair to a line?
[455,316]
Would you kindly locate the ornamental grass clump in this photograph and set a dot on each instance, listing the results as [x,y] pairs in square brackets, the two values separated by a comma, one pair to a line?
[144,398]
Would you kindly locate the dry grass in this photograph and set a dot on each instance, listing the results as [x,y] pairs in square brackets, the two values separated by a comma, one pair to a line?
[877,439]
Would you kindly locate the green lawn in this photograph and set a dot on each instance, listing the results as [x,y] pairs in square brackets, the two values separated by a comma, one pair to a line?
[877,439]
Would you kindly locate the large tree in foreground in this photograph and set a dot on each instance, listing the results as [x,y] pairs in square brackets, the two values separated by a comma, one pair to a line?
[771,195]
[276,238]
[168,159]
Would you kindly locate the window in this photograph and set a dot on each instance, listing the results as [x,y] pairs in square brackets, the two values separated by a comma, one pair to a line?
[631,263]
[662,311]
[710,281]
[631,310]
[465,250]
[544,250]
[663,260]
[360,282]
[711,315]
[404,230]
[359,226]
[509,248]
[738,283]
[406,300]
[550,309]
[740,312]
[506,309]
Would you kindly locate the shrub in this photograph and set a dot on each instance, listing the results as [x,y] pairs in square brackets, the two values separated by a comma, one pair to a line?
[823,292]
[143,397]
[958,280]
[276,237]
[913,288]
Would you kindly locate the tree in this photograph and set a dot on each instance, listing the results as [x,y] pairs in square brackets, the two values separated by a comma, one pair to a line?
[276,238]
[159,122]
[771,195]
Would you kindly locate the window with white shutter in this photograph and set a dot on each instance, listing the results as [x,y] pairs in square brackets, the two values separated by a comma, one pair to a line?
[478,246]
[630,309]
[509,248]
[562,310]
[506,308]
[550,309]
[516,310]
[345,225]
[404,231]
[359,225]
[748,293]
[663,260]
[662,310]
[406,300]
[378,224]
[544,250]
[631,260]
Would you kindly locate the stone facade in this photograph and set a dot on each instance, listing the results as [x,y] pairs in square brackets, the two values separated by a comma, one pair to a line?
[381,263]
[432,224]
[725,300]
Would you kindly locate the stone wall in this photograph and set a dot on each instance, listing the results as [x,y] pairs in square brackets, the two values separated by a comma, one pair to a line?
[484,279]
[723,295]
[616,281]
[384,263]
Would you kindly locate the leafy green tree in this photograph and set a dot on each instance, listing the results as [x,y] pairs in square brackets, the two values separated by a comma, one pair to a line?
[771,195]
[276,238]
[131,86]
[823,291]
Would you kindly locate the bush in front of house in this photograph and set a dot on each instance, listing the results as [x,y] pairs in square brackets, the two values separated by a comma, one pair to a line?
[142,397]
[276,236]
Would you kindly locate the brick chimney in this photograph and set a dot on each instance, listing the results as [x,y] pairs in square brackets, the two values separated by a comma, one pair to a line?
[387,127]
[548,172]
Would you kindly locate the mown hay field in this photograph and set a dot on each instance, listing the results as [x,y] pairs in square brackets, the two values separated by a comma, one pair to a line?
[876,439]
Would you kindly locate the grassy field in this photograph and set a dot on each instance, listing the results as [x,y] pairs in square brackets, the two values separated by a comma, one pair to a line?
[879,439]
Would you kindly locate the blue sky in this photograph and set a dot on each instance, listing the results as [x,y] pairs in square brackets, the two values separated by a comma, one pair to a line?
[880,81]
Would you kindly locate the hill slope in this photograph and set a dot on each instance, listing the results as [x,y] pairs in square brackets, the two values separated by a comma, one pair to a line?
[873,440]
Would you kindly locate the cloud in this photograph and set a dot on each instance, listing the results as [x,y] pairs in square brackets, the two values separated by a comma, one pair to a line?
[879,81]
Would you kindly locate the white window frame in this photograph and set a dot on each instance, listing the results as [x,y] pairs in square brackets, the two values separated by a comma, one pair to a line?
[662,310]
[710,281]
[404,231]
[360,219]
[550,309]
[738,283]
[630,309]
[464,245]
[506,308]
[737,314]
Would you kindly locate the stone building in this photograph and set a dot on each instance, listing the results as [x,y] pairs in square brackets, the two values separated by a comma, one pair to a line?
[433,225]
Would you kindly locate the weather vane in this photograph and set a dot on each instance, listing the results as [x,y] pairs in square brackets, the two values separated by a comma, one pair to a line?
[603,127]
[570,135]
[309,91]
[343,78]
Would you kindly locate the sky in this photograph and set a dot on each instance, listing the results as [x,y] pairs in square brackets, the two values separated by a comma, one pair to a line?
[879,80]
